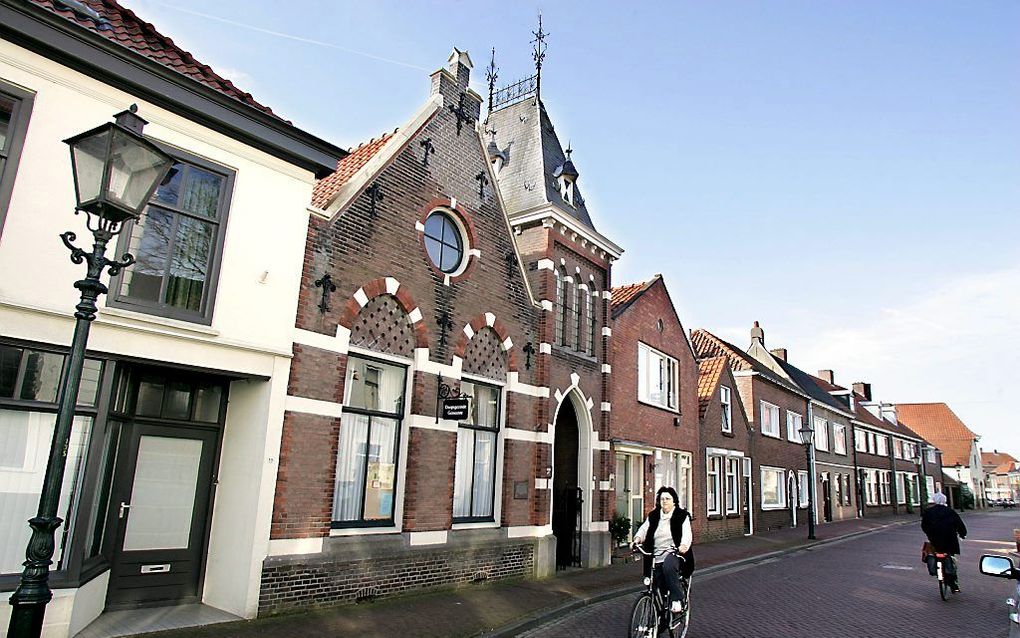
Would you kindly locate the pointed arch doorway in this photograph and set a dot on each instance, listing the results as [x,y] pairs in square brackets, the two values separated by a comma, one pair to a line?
[567,499]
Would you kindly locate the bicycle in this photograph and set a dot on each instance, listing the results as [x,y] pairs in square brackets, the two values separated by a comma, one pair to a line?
[651,613]
[941,564]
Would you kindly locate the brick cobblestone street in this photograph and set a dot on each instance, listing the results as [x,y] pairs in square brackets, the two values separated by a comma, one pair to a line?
[870,587]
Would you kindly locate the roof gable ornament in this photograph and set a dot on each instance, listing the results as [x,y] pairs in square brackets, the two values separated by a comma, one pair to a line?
[491,75]
[538,55]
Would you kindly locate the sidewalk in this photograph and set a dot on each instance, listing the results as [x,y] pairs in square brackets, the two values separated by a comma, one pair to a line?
[509,607]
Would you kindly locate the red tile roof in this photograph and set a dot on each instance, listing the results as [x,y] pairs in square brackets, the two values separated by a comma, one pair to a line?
[327,187]
[938,424]
[1006,467]
[996,458]
[709,373]
[707,344]
[624,295]
[122,26]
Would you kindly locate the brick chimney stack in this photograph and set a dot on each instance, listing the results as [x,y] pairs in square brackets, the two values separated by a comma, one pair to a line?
[828,376]
[758,334]
[779,353]
[863,389]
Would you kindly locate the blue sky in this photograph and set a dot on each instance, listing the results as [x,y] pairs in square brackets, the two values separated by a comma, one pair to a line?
[847,173]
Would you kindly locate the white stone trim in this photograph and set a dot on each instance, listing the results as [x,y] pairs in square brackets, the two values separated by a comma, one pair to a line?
[416,539]
[607,331]
[605,486]
[545,264]
[558,395]
[583,287]
[590,403]
[339,344]
[469,331]
[474,252]
[422,363]
[446,280]
[392,285]
[364,531]
[569,279]
[516,434]
[384,356]
[574,378]
[508,343]
[425,422]
[607,369]
[490,319]
[597,444]
[514,385]
[607,294]
[606,407]
[545,348]
[541,484]
[479,525]
[312,406]
[453,202]
[528,531]
[292,546]
[361,297]
[420,227]
[546,305]
[414,316]
[599,526]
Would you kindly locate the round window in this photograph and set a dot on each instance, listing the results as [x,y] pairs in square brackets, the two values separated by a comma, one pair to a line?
[659,325]
[443,242]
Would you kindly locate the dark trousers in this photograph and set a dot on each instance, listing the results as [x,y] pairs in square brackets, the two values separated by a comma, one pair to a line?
[667,575]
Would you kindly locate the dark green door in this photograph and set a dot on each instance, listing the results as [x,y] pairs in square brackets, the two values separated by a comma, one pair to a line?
[159,511]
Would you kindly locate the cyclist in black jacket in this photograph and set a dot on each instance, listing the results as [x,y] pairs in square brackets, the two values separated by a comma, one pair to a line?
[944,529]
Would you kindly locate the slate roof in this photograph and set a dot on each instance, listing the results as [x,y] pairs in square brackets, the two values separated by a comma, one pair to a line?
[865,416]
[526,135]
[709,373]
[122,26]
[624,296]
[939,424]
[327,187]
[707,345]
[809,384]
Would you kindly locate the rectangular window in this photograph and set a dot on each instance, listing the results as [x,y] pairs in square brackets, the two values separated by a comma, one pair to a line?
[902,487]
[475,477]
[848,490]
[839,438]
[860,441]
[575,324]
[872,445]
[592,323]
[657,377]
[929,455]
[793,423]
[773,488]
[673,469]
[885,488]
[732,485]
[882,445]
[803,485]
[15,110]
[822,434]
[769,419]
[727,413]
[366,461]
[561,300]
[897,448]
[929,482]
[714,471]
[177,244]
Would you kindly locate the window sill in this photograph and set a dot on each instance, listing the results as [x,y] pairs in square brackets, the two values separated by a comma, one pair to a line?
[729,434]
[577,354]
[363,531]
[732,515]
[772,508]
[657,406]
[474,525]
[771,436]
[121,317]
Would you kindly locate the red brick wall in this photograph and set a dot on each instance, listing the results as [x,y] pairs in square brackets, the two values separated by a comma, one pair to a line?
[721,526]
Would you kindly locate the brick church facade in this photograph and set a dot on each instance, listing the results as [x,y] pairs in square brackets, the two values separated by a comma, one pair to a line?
[438,267]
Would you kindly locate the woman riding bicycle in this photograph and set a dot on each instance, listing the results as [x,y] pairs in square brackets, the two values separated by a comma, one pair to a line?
[668,526]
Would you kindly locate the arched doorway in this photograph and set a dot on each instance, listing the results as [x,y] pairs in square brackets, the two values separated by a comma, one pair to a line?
[566,496]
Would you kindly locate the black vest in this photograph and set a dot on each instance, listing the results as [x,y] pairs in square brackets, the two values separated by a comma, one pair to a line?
[676,530]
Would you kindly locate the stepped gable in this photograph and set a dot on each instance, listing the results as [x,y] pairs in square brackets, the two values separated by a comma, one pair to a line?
[937,423]
[122,26]
[709,373]
[327,187]
[534,155]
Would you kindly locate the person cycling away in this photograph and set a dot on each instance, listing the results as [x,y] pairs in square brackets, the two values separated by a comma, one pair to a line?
[941,524]
[665,527]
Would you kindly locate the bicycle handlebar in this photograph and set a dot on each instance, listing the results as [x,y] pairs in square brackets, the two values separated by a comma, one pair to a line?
[661,552]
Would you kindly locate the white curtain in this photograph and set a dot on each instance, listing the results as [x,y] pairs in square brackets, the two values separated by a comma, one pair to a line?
[485,460]
[350,467]
[382,470]
[464,472]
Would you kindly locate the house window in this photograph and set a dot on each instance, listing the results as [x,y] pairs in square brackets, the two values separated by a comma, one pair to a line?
[803,487]
[177,243]
[592,323]
[727,414]
[444,242]
[885,488]
[793,423]
[714,472]
[476,454]
[882,445]
[769,419]
[897,448]
[860,441]
[29,383]
[366,462]
[577,323]
[15,109]
[560,309]
[657,378]
[929,482]
[902,487]
[732,485]
[773,488]
[673,469]
[839,438]
[822,434]
[839,488]
[872,445]
[847,491]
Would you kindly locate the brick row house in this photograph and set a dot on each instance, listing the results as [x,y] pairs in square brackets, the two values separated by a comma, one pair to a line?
[1002,473]
[961,455]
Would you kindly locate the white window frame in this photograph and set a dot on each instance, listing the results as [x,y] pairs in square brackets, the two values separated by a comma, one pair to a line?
[803,496]
[839,438]
[821,434]
[897,448]
[726,398]
[780,490]
[650,375]
[773,430]
[794,422]
[860,440]
[929,455]
[714,485]
[882,445]
[732,485]
[872,445]
[901,488]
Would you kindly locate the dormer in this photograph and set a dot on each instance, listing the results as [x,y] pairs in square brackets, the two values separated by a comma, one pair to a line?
[497,157]
[566,177]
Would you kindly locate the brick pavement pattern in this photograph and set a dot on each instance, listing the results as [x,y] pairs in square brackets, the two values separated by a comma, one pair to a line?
[873,586]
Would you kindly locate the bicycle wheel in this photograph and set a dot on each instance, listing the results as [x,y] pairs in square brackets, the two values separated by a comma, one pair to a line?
[943,590]
[680,623]
[643,619]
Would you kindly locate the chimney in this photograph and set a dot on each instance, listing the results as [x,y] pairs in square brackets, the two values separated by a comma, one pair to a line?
[758,334]
[828,376]
[863,389]
[452,82]
[779,353]
[459,65]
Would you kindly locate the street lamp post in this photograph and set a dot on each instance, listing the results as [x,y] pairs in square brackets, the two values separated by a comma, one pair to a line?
[921,480]
[807,436]
[116,170]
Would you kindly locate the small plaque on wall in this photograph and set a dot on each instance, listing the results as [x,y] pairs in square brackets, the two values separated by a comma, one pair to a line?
[455,409]
[520,490]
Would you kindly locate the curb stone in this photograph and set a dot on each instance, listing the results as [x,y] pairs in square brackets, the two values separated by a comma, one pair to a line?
[542,617]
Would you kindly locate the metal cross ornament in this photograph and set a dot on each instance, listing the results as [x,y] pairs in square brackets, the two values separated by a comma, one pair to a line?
[528,351]
[462,114]
[482,181]
[428,148]
[328,287]
[491,75]
[445,325]
[511,263]
[376,196]
[538,55]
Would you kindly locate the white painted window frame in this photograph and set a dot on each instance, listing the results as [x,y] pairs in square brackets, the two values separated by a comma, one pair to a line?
[781,490]
[839,436]
[794,422]
[821,434]
[774,431]
[726,399]
[646,356]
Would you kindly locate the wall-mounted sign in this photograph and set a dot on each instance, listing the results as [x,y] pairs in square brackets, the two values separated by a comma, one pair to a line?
[455,409]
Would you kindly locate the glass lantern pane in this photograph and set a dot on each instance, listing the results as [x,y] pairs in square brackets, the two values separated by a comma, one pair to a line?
[134,168]
[89,158]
